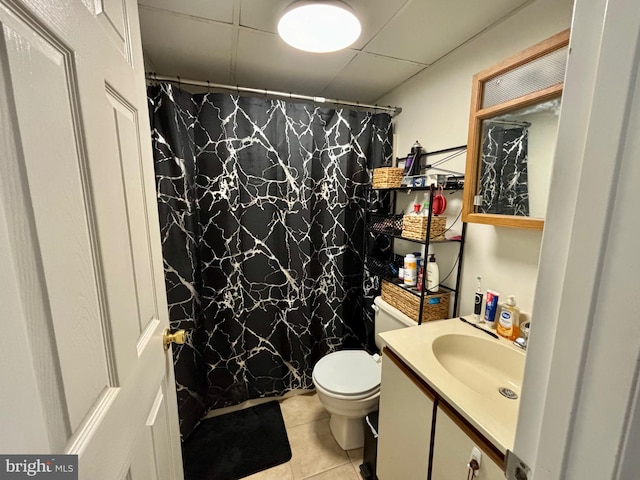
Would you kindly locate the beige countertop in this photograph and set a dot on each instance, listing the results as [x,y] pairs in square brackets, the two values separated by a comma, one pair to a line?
[485,408]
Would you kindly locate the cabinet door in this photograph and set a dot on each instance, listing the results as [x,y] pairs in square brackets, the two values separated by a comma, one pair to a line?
[406,414]
[452,451]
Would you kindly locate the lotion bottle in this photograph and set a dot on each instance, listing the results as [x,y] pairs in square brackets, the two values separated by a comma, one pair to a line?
[509,320]
[433,274]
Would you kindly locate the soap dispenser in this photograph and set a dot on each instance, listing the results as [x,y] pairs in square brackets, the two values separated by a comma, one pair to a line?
[509,321]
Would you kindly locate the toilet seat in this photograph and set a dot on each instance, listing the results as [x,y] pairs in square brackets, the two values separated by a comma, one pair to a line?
[348,374]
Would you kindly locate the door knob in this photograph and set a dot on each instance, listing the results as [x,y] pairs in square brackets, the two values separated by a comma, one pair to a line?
[178,337]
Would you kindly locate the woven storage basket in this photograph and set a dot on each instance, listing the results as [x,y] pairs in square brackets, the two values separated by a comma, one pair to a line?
[436,306]
[387,177]
[415,226]
[386,224]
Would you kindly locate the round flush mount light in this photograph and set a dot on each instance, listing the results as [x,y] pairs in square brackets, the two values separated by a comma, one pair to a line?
[320,26]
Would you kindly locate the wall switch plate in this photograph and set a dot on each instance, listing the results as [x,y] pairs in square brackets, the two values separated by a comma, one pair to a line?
[516,469]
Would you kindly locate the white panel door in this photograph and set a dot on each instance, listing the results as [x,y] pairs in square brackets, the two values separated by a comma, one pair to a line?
[82,296]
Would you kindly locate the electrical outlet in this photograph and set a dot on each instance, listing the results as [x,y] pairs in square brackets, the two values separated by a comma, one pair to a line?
[476,455]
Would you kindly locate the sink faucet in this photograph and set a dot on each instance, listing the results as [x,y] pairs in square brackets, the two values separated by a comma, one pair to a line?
[523,339]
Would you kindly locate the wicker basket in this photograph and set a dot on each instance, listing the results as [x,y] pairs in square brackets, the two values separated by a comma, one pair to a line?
[415,226]
[387,177]
[386,224]
[435,307]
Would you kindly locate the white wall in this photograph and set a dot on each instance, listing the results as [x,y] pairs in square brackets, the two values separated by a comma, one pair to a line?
[435,111]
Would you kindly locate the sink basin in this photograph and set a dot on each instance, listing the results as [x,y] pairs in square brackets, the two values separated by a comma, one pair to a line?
[483,364]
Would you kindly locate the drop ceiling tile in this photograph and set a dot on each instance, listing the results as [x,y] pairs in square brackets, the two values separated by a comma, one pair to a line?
[427,30]
[265,61]
[373,14]
[219,10]
[190,48]
[369,76]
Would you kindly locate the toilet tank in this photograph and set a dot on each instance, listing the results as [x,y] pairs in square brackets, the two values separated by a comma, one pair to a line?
[388,318]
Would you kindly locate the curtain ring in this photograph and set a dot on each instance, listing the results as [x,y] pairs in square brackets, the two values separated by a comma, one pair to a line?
[208,87]
[237,90]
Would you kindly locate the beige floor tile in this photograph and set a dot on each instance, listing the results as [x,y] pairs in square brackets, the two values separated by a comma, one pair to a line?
[356,459]
[355,455]
[314,449]
[302,409]
[345,472]
[280,472]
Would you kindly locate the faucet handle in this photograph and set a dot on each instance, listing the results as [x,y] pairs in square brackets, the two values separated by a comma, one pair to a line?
[523,339]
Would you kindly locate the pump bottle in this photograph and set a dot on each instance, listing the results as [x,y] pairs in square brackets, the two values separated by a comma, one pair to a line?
[509,320]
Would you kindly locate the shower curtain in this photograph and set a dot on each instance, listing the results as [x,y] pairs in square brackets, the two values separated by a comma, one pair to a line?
[261,207]
[504,183]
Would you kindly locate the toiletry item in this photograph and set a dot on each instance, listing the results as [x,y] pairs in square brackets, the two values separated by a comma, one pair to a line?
[491,308]
[416,151]
[393,268]
[401,273]
[477,303]
[479,328]
[416,209]
[509,320]
[425,209]
[410,270]
[433,274]
[420,278]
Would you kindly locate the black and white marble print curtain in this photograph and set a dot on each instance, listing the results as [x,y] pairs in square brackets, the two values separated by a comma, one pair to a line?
[261,207]
[503,175]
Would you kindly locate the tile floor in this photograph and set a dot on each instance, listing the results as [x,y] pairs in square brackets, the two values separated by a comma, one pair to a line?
[315,454]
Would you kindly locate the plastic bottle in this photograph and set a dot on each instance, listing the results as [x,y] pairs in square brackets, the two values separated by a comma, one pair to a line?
[425,209]
[509,320]
[477,303]
[433,274]
[410,270]
[490,308]
[420,278]
[416,151]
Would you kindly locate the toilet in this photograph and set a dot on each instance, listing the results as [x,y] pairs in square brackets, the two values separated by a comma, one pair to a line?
[348,382]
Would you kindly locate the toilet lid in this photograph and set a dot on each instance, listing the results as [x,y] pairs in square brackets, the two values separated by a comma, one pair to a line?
[348,372]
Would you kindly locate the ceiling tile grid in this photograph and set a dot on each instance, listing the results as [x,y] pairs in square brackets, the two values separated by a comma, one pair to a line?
[235,42]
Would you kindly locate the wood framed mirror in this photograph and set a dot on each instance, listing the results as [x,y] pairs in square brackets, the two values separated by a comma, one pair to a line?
[512,134]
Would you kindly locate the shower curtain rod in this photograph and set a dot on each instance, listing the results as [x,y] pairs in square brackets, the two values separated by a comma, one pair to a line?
[199,83]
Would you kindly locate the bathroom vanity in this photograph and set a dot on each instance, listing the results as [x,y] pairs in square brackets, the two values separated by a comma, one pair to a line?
[441,402]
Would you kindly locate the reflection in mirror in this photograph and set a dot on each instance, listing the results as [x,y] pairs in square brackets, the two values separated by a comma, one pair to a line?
[513,127]
[516,159]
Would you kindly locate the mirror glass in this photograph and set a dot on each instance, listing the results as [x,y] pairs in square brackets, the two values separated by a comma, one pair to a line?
[513,125]
[516,156]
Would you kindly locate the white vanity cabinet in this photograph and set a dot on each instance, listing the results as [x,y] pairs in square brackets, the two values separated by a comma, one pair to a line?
[452,447]
[404,425]
[421,437]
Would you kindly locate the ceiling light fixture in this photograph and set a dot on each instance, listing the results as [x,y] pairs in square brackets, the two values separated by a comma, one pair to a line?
[320,26]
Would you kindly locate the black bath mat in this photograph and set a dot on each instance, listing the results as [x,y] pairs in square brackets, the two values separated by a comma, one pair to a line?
[237,444]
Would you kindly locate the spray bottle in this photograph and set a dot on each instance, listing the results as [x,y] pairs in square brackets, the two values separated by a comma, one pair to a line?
[477,304]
